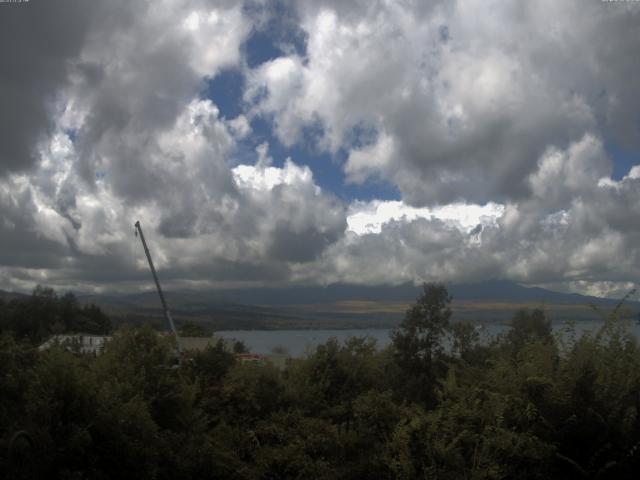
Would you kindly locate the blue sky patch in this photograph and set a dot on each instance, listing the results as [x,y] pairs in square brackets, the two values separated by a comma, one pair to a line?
[623,159]
[226,90]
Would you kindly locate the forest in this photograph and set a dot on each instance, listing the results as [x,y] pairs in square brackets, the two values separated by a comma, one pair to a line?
[437,403]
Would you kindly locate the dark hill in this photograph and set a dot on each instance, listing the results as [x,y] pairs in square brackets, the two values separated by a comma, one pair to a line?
[348,306]
[495,291]
[5,295]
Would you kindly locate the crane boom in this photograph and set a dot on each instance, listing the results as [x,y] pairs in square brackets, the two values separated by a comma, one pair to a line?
[167,314]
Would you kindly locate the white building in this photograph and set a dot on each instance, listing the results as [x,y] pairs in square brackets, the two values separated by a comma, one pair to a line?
[78,343]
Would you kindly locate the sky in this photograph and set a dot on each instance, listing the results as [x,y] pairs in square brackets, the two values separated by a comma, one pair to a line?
[278,143]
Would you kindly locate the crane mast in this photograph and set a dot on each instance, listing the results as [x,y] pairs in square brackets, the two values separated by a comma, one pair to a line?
[167,314]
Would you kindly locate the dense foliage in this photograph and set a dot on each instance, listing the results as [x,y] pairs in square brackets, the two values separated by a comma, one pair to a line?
[44,313]
[435,404]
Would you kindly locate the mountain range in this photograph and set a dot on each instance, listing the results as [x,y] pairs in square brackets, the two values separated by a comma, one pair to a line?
[346,306]
[352,306]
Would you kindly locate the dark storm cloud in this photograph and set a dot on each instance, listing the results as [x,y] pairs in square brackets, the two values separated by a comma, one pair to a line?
[38,41]
[21,245]
[141,80]
[303,246]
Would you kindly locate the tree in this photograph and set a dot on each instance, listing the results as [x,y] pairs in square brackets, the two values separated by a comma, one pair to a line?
[418,341]
[44,313]
[465,339]
[240,347]
[190,328]
[253,391]
[528,326]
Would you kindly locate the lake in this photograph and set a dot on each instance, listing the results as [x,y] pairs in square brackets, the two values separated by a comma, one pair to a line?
[300,342]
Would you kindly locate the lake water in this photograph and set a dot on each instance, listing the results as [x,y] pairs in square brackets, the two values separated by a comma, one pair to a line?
[300,342]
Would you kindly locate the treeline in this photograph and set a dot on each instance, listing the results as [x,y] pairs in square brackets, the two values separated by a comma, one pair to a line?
[44,313]
[527,405]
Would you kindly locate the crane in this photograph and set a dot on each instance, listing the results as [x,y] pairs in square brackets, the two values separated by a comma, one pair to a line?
[167,313]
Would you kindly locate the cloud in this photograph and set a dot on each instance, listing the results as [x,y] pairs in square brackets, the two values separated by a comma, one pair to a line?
[133,85]
[37,44]
[461,116]
[491,119]
[576,229]
[212,224]
[370,217]
[299,220]
[129,139]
